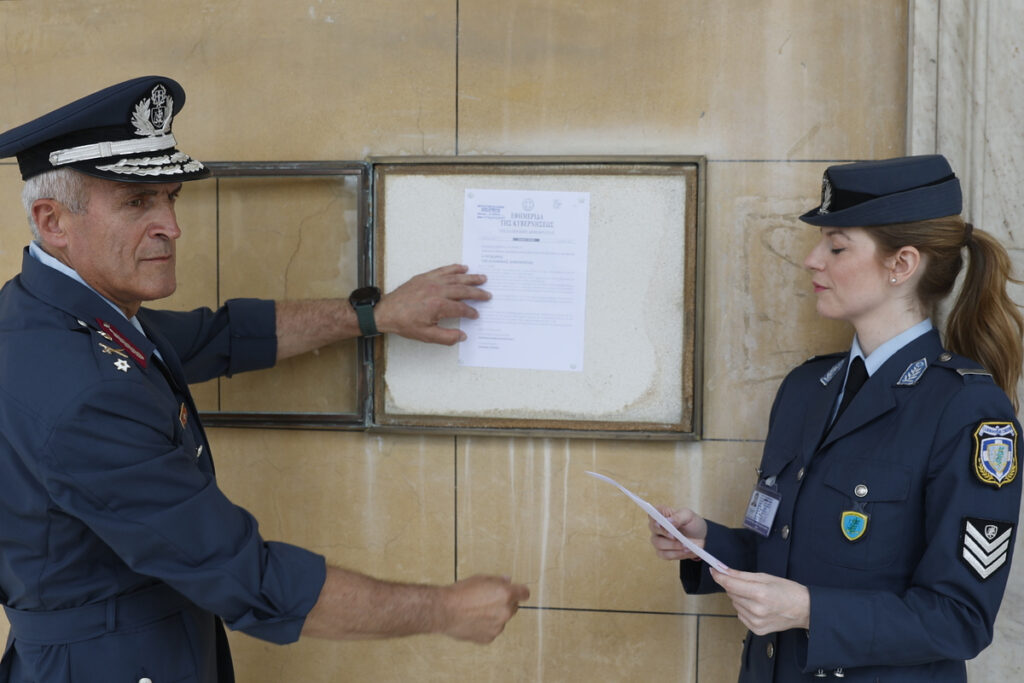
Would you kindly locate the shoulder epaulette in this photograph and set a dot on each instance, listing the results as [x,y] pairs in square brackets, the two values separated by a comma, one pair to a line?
[965,367]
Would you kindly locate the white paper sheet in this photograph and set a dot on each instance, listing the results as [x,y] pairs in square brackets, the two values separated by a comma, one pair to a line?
[532,246]
[665,523]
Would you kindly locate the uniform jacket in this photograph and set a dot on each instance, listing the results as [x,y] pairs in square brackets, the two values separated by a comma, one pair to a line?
[911,589]
[117,547]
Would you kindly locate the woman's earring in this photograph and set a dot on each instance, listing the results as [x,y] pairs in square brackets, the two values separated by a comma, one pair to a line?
[893,279]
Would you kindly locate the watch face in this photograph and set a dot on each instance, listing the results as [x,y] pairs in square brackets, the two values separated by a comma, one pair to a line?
[364,296]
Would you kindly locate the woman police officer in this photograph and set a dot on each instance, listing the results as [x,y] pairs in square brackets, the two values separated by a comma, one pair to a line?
[877,542]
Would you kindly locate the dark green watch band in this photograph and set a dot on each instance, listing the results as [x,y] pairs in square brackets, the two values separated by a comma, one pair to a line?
[367,325]
[363,300]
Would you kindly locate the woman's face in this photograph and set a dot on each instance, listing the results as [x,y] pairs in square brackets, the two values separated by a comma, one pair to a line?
[849,279]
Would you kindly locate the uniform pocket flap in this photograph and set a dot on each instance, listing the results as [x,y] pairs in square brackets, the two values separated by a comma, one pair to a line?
[870,480]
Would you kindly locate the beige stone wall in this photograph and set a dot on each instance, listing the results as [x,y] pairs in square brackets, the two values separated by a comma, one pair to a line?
[770,92]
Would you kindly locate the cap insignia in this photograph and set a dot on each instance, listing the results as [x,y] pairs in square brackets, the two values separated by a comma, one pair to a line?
[153,114]
[826,195]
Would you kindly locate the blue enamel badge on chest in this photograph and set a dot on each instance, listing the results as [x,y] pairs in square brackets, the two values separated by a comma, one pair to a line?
[853,524]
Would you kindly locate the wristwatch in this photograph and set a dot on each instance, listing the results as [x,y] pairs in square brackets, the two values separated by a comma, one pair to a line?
[363,300]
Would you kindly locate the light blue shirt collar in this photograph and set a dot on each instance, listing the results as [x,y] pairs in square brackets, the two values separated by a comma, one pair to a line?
[38,254]
[881,354]
[888,349]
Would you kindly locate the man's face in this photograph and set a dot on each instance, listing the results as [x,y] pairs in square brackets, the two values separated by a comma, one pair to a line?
[123,245]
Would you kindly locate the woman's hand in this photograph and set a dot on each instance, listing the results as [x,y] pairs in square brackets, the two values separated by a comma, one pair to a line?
[689,523]
[766,603]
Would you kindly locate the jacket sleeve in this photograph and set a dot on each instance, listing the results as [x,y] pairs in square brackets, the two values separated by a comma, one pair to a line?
[949,607]
[239,336]
[121,463]
[736,548]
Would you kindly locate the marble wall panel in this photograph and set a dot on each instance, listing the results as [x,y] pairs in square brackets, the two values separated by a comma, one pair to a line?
[326,79]
[536,646]
[759,309]
[527,509]
[15,233]
[376,505]
[721,648]
[291,238]
[730,79]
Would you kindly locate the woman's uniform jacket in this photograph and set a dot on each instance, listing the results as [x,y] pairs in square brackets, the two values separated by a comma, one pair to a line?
[900,519]
[117,548]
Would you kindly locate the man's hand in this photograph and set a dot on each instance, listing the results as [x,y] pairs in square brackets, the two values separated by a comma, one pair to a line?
[766,603]
[412,310]
[415,308]
[479,607]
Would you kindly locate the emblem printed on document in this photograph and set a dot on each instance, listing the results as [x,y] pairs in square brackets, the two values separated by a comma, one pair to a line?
[995,459]
[984,545]
[764,503]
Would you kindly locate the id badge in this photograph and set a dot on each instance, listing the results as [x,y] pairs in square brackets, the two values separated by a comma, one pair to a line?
[764,503]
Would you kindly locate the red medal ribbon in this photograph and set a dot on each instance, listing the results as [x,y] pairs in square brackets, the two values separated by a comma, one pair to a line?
[132,350]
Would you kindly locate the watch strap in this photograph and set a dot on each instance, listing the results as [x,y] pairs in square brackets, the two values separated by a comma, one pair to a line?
[367,325]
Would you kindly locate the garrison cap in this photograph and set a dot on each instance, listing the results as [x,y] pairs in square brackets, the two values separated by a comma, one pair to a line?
[120,133]
[896,190]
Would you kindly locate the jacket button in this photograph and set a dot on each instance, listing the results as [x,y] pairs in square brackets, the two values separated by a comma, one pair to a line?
[860,490]
[145,680]
[770,650]
[785,532]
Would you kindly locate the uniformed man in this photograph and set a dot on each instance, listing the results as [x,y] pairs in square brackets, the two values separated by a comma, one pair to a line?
[119,555]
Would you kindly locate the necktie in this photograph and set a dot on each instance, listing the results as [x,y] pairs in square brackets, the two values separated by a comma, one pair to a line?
[854,381]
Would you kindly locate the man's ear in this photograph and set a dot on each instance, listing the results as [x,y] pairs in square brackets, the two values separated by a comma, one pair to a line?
[47,214]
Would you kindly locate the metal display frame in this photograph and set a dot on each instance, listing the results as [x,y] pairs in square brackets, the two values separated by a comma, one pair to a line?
[372,413]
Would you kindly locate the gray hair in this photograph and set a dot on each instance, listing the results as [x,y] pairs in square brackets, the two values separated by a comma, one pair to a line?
[64,185]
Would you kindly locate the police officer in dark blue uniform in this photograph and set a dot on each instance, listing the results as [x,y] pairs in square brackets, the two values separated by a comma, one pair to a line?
[120,557]
[877,542]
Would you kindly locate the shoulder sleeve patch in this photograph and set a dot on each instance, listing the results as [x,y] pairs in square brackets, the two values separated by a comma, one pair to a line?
[984,545]
[995,455]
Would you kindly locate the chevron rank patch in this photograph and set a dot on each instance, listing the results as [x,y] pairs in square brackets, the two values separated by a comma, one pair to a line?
[984,545]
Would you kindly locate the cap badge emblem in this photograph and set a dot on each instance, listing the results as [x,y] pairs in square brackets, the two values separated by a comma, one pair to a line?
[153,114]
[826,195]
